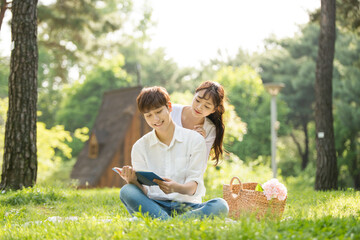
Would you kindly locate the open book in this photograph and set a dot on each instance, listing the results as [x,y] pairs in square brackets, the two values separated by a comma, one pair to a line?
[145,178]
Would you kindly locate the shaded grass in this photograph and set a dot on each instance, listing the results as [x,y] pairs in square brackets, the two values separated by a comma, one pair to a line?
[32,196]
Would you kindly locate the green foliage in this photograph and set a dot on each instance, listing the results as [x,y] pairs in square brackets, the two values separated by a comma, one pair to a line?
[50,144]
[83,100]
[347,15]
[4,76]
[49,88]
[73,33]
[60,175]
[155,68]
[294,65]
[184,98]
[74,36]
[53,147]
[242,57]
[54,138]
[235,128]
[347,113]
[246,93]
[82,134]
[292,61]
[288,156]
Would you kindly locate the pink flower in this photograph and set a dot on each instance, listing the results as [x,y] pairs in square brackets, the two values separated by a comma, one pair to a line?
[274,189]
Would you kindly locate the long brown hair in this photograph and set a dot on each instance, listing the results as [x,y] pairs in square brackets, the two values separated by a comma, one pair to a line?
[216,92]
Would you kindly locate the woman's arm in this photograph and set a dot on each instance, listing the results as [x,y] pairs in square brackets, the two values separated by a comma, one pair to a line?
[208,131]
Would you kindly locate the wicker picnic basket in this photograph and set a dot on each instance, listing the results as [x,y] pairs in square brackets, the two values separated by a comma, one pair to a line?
[243,199]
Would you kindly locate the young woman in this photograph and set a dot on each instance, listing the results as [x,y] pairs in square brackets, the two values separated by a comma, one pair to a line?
[205,115]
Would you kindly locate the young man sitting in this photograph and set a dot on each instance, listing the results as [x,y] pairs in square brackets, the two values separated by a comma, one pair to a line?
[177,155]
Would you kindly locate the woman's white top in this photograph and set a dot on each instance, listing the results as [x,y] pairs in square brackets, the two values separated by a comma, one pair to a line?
[209,126]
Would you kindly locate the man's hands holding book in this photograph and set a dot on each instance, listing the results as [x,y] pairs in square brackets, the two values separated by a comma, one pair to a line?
[170,186]
[128,174]
[141,177]
[149,178]
[167,186]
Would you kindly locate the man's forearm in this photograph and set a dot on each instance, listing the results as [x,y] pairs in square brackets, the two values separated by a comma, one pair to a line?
[187,188]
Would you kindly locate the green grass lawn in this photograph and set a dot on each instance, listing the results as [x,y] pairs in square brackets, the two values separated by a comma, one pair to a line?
[99,214]
[49,212]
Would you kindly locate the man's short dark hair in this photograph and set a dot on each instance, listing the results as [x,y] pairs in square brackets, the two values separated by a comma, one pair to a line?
[152,98]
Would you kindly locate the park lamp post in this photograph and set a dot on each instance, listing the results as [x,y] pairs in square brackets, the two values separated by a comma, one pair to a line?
[273,89]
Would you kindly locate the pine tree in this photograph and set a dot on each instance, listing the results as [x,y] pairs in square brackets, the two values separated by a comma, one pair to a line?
[20,153]
[326,164]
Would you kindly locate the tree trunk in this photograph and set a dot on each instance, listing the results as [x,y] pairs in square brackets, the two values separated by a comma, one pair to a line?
[326,166]
[354,162]
[20,153]
[357,182]
[305,156]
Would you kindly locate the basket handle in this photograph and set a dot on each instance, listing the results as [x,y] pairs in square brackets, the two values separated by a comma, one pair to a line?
[231,184]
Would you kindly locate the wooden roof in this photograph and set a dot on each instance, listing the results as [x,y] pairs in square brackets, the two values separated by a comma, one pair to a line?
[113,120]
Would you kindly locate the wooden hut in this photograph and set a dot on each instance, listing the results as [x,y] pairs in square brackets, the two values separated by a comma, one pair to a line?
[117,127]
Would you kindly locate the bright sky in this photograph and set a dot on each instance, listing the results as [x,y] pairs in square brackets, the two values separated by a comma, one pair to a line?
[192,31]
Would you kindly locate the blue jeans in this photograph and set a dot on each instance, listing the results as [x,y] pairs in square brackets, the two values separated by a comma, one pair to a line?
[133,198]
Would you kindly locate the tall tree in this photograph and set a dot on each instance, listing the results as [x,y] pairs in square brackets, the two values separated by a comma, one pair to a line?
[326,165]
[292,61]
[20,154]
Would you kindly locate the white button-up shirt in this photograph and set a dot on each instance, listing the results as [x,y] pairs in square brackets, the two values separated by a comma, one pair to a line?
[181,161]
